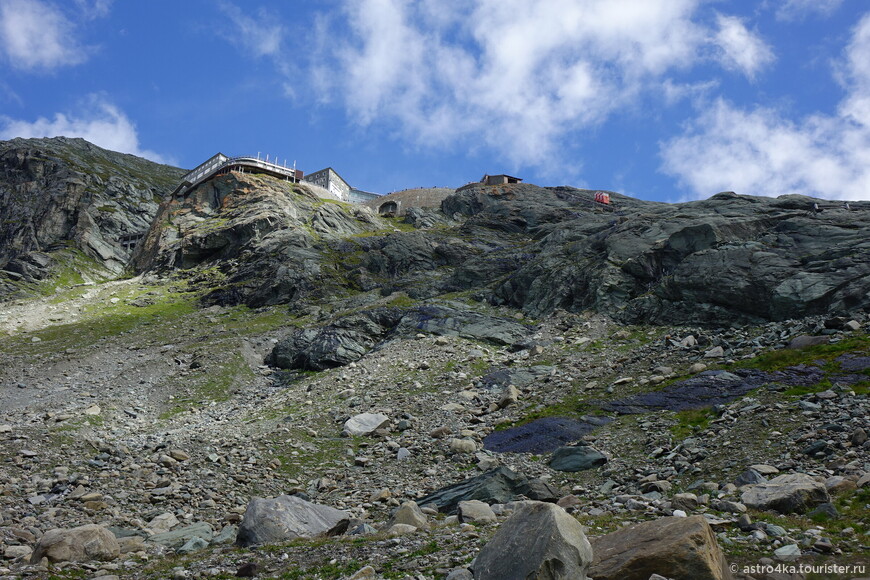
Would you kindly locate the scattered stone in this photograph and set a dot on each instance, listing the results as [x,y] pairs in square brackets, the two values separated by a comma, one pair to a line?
[749,477]
[804,341]
[409,513]
[365,424]
[787,553]
[462,446]
[194,544]
[538,541]
[577,459]
[178,537]
[475,512]
[715,352]
[510,397]
[162,523]
[824,511]
[764,469]
[401,529]
[179,455]
[247,570]
[367,572]
[17,552]
[684,501]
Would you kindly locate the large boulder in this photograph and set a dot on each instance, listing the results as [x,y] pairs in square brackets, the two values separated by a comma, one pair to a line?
[786,494]
[676,548]
[342,342]
[286,518]
[81,544]
[499,485]
[540,541]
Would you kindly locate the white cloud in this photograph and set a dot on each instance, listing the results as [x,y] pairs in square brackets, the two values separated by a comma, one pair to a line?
[35,35]
[513,76]
[91,9]
[100,122]
[740,49]
[254,31]
[763,153]
[799,9]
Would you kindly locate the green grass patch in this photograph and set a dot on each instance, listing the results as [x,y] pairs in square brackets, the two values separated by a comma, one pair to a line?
[691,421]
[246,321]
[323,572]
[778,360]
[104,322]
[215,385]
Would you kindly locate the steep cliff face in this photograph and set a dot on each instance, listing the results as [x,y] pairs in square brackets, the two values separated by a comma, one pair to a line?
[60,193]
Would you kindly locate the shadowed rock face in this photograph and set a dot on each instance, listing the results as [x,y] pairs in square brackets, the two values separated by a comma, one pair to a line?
[60,193]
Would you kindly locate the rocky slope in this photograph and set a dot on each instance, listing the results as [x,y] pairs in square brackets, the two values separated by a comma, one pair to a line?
[60,195]
[724,260]
[403,383]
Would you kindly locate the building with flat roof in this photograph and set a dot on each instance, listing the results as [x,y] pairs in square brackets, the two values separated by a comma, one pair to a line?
[499,179]
[330,180]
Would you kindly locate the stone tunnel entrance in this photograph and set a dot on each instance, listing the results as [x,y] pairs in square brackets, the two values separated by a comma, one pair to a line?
[388,209]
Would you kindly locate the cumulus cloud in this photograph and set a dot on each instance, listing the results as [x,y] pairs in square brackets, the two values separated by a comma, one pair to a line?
[506,74]
[799,9]
[762,152]
[99,122]
[739,48]
[36,35]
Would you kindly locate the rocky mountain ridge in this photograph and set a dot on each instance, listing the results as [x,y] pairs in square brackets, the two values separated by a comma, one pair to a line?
[60,196]
[396,391]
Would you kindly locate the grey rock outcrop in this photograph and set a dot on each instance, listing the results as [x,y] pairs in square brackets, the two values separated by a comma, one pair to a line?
[540,541]
[349,338]
[731,257]
[81,544]
[58,195]
[678,548]
[499,485]
[786,494]
[286,518]
[272,238]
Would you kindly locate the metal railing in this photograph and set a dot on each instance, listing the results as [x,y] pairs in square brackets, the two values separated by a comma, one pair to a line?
[208,170]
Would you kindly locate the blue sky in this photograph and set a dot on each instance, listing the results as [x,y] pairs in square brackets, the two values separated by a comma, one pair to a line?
[660,99]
